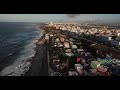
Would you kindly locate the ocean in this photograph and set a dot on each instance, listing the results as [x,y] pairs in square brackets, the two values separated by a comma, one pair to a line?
[17,47]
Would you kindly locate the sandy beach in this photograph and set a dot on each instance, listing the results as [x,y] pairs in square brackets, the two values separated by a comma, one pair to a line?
[39,63]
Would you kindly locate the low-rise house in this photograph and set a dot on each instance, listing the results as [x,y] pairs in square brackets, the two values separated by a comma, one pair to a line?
[66,45]
[51,35]
[80,72]
[72,73]
[116,61]
[80,50]
[102,70]
[118,34]
[74,46]
[71,42]
[62,39]
[93,71]
[68,50]
[87,54]
[60,45]
[95,64]
[56,74]
[69,54]
[57,40]
[78,66]
[78,59]
[47,36]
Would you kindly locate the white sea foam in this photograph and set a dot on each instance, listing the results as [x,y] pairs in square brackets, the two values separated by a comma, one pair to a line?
[22,63]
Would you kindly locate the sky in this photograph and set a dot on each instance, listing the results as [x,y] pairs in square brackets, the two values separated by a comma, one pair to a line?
[110,18]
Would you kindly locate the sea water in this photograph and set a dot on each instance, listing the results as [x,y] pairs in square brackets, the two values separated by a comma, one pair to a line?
[17,47]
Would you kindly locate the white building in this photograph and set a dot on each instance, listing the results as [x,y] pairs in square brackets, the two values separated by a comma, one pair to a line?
[118,34]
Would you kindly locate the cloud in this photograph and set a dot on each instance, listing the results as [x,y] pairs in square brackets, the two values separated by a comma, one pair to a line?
[73,15]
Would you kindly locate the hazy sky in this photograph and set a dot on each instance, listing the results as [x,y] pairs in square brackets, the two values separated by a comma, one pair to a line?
[58,17]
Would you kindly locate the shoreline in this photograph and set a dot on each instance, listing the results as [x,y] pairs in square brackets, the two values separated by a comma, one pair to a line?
[39,61]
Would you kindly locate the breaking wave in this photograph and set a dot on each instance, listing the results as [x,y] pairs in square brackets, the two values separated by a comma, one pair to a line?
[23,62]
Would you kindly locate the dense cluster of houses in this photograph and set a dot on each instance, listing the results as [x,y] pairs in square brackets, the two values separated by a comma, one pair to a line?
[86,28]
[109,40]
[67,57]
[103,34]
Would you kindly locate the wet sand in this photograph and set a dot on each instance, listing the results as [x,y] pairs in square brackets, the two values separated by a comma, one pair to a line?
[39,63]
